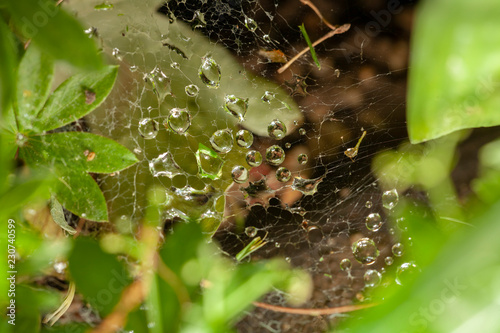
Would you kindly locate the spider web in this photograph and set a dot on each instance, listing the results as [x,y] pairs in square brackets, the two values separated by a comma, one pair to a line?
[359,88]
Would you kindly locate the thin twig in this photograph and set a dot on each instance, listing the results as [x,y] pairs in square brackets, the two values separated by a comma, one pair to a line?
[316,10]
[313,312]
[339,30]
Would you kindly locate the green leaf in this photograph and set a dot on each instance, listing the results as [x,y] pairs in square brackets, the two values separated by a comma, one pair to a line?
[23,192]
[457,292]
[98,275]
[79,193]
[311,47]
[80,151]
[455,68]
[55,31]
[34,80]
[57,212]
[75,98]
[7,64]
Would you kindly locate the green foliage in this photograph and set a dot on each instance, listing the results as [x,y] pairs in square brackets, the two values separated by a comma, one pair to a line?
[38,112]
[455,68]
[7,63]
[98,275]
[311,47]
[48,25]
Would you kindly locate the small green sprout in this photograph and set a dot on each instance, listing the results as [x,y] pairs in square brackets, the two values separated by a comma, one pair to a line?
[253,246]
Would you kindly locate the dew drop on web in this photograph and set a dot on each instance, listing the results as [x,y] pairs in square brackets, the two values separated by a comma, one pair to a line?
[209,72]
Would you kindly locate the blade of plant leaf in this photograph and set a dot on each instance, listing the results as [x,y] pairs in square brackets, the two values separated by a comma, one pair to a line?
[7,65]
[76,97]
[311,47]
[454,74]
[79,193]
[34,80]
[57,212]
[55,31]
[87,152]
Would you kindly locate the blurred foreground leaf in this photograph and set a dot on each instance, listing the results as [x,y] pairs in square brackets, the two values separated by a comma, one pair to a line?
[455,68]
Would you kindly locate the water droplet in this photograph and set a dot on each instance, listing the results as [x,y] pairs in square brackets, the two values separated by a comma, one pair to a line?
[275,155]
[288,259]
[373,222]
[250,24]
[178,120]
[398,249]
[276,129]
[164,165]
[239,174]
[306,186]
[302,131]
[288,145]
[401,223]
[406,272]
[283,174]
[209,163]
[266,38]
[345,265]
[244,138]
[314,234]
[116,53]
[267,97]
[175,65]
[365,251]
[277,245]
[337,72]
[389,260]
[390,199]
[159,82]
[372,278]
[133,68]
[236,106]
[368,204]
[251,231]
[222,140]
[148,128]
[192,90]
[209,72]
[254,158]
[302,158]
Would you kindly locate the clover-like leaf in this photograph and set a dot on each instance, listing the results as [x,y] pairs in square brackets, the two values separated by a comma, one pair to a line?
[74,98]
[77,191]
[88,152]
[34,80]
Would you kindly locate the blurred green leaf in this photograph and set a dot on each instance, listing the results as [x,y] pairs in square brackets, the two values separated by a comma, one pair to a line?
[88,152]
[27,316]
[7,64]
[24,191]
[72,327]
[55,31]
[455,68]
[98,275]
[74,98]
[34,81]
[457,291]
